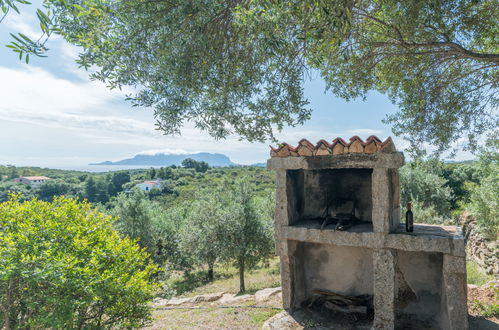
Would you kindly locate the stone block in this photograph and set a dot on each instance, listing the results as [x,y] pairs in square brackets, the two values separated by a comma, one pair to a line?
[384,289]
[266,294]
[454,265]
[352,160]
[381,200]
[456,298]
[328,236]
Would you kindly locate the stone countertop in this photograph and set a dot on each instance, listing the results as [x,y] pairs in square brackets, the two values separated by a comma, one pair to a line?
[377,160]
[425,238]
[431,230]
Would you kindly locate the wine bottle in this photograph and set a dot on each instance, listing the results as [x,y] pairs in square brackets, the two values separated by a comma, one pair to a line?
[409,220]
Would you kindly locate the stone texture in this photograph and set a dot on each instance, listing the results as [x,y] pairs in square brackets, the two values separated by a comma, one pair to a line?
[287,254]
[230,298]
[327,236]
[384,289]
[381,201]
[399,262]
[208,297]
[266,294]
[454,265]
[484,252]
[454,279]
[376,160]
[345,270]
[281,321]
[178,301]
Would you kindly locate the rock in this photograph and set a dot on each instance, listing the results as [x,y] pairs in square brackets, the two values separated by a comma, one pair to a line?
[230,298]
[281,321]
[178,301]
[159,302]
[265,294]
[208,297]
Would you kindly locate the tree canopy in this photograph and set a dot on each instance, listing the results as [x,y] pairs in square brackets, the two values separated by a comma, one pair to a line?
[239,66]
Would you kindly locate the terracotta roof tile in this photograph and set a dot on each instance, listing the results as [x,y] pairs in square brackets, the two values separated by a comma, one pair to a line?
[337,147]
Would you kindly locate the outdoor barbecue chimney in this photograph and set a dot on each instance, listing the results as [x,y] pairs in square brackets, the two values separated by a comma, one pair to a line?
[339,238]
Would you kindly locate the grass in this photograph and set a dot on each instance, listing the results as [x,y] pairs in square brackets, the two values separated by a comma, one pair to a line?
[226,280]
[260,316]
[486,310]
[475,274]
[243,315]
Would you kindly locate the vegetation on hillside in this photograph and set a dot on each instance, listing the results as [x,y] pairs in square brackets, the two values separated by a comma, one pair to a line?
[198,221]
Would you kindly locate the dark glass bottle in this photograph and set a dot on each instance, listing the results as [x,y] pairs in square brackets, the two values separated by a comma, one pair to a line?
[409,220]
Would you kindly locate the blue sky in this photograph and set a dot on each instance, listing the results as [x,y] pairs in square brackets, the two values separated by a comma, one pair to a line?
[52,115]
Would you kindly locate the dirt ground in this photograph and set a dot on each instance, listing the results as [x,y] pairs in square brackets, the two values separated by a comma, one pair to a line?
[486,295]
[251,315]
[245,315]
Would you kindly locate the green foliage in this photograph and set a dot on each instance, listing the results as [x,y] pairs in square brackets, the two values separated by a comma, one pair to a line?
[475,275]
[239,66]
[248,236]
[484,202]
[135,216]
[203,230]
[486,310]
[199,166]
[63,266]
[9,187]
[427,191]
[53,188]
[117,181]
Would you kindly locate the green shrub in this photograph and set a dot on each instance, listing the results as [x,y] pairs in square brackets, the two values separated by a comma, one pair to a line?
[484,204]
[63,266]
[486,310]
[475,275]
[427,191]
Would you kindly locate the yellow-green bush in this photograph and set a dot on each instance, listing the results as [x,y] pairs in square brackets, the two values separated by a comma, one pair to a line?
[62,265]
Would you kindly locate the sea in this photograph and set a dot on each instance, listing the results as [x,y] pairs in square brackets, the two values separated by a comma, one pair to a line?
[98,168]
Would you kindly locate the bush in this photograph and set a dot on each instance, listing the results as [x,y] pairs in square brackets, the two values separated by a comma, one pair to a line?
[63,266]
[427,191]
[484,204]
[426,214]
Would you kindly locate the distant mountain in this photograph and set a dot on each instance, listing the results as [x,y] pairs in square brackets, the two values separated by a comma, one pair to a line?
[171,159]
[259,164]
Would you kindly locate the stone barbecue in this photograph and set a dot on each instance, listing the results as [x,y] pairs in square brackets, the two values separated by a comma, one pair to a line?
[344,253]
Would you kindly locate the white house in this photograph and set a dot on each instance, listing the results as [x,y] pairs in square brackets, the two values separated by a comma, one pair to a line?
[149,184]
[33,181]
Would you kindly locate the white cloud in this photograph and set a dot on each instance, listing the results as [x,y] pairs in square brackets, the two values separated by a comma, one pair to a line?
[23,23]
[364,132]
[40,92]
[99,123]
[165,151]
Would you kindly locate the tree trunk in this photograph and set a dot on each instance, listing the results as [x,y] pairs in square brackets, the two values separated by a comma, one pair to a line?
[241,275]
[210,272]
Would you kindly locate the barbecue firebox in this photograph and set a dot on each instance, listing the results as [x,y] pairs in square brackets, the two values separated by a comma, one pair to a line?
[343,251]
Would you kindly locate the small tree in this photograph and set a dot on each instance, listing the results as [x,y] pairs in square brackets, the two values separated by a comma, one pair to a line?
[91,189]
[134,213]
[199,166]
[63,266]
[117,181]
[51,188]
[202,233]
[247,235]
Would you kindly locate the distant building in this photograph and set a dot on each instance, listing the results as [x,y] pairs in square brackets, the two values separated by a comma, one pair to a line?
[33,181]
[149,184]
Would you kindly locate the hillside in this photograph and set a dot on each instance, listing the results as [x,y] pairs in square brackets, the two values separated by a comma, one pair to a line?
[217,160]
